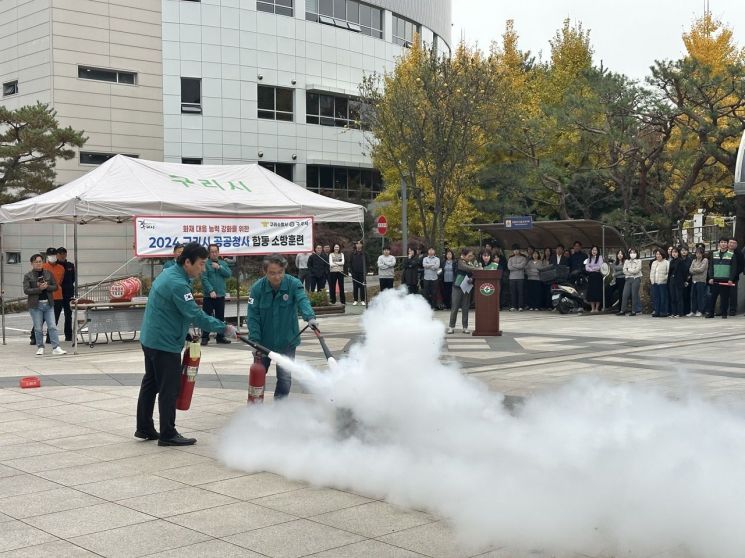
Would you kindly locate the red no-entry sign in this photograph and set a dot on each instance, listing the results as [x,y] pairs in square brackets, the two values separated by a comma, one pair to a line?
[382,224]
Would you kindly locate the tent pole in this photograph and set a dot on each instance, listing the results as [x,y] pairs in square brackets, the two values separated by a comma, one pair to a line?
[2,279]
[77,278]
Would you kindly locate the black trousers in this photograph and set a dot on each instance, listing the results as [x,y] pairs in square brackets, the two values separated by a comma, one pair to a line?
[359,288]
[316,283]
[716,291]
[304,276]
[59,307]
[447,293]
[162,378]
[386,283]
[733,299]
[337,278]
[214,307]
[430,290]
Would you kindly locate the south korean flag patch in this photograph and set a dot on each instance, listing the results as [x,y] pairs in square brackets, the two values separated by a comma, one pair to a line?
[250,300]
[188,297]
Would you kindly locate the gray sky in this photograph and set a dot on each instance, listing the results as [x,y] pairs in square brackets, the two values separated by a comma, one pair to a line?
[627,35]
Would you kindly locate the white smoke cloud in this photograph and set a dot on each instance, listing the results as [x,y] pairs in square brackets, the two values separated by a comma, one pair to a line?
[590,468]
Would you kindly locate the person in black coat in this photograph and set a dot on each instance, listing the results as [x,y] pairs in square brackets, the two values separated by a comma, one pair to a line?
[740,258]
[68,292]
[677,277]
[410,277]
[318,268]
[358,267]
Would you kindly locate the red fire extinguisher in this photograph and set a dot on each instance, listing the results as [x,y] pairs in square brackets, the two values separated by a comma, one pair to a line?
[256,380]
[189,369]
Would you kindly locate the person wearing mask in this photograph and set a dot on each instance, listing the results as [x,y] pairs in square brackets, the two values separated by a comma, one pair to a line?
[449,265]
[534,286]
[516,264]
[722,273]
[462,298]
[632,272]
[170,311]
[318,267]
[431,266]
[68,292]
[177,249]
[58,271]
[740,263]
[658,275]
[386,269]
[213,278]
[303,274]
[698,270]
[274,304]
[676,279]
[410,275]
[619,279]
[358,267]
[594,278]
[39,285]
[336,275]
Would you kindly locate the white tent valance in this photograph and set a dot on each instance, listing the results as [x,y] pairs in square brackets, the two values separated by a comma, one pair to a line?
[740,169]
[123,187]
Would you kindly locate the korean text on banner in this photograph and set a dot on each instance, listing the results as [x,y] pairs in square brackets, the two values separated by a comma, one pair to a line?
[156,237]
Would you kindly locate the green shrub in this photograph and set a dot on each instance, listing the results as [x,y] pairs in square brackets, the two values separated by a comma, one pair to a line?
[320,298]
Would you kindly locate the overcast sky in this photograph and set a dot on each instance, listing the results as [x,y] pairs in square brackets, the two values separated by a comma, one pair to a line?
[627,35]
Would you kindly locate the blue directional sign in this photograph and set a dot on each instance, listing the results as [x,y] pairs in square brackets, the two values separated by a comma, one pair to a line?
[519,222]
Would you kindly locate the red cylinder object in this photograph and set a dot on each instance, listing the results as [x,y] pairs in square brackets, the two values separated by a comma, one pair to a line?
[125,289]
[256,381]
[189,370]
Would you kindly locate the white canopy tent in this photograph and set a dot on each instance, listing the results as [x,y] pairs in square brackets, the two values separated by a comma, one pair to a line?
[124,187]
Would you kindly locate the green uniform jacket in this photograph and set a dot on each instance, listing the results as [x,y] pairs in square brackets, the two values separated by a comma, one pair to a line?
[272,315]
[169,263]
[170,311]
[214,279]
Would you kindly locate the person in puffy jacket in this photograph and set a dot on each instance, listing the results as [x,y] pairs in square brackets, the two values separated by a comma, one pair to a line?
[698,270]
[516,265]
[632,272]
[658,274]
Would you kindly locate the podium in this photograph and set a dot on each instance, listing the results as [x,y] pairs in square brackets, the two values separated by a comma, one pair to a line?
[486,284]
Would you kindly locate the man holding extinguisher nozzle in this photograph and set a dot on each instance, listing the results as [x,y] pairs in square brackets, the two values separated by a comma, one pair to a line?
[273,306]
[170,311]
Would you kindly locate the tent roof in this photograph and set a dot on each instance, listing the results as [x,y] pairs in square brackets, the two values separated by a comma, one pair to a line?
[548,234]
[123,187]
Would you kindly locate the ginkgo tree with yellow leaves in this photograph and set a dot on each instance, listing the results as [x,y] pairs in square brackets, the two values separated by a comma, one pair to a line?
[426,126]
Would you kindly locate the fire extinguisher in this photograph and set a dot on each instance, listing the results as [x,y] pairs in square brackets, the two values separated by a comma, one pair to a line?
[256,380]
[189,369]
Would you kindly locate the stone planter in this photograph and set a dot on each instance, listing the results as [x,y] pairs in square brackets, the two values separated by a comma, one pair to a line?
[327,310]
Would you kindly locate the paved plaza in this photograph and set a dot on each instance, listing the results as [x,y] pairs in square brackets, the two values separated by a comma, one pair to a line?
[74,482]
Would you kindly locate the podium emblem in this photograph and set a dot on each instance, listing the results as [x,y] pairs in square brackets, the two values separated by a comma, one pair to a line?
[487,289]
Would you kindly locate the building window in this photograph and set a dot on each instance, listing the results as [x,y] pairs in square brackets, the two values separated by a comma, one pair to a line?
[191,95]
[347,14]
[332,110]
[102,74]
[91,158]
[347,182]
[12,257]
[190,161]
[441,47]
[275,103]
[285,170]
[10,88]
[403,31]
[281,7]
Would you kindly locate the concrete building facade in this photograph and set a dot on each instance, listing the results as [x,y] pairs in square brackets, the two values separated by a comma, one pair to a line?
[203,82]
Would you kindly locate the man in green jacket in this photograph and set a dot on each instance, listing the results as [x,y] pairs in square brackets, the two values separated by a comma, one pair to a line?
[213,287]
[273,306]
[170,311]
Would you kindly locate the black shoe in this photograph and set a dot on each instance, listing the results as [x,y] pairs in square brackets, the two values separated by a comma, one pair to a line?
[709,316]
[724,316]
[632,314]
[147,434]
[177,440]
[68,339]
[620,313]
[203,342]
[223,341]
[32,342]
